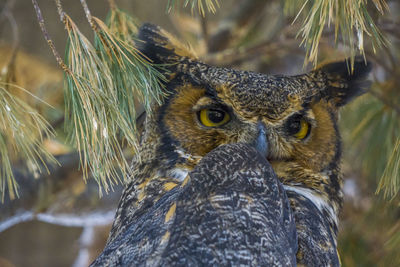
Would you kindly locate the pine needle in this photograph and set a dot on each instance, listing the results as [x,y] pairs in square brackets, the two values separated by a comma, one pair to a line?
[122,25]
[103,84]
[211,5]
[351,19]
[390,180]
[22,131]
[393,244]
[377,136]
[135,78]
[133,74]
[91,111]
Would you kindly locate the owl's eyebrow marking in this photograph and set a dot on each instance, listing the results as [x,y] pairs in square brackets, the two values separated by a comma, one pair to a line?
[303,112]
[203,102]
[210,102]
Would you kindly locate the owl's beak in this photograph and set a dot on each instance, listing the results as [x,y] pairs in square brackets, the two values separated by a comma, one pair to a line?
[261,142]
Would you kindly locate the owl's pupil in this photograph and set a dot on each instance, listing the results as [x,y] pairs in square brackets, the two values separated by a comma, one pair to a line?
[215,116]
[294,124]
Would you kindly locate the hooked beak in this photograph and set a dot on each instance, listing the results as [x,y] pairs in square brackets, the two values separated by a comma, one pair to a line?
[261,142]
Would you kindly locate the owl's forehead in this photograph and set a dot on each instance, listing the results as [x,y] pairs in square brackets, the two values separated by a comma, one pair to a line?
[253,94]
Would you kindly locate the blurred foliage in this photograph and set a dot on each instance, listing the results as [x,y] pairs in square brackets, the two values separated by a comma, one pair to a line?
[370,238]
[376,137]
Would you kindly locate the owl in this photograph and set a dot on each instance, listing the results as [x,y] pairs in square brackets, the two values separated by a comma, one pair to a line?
[236,168]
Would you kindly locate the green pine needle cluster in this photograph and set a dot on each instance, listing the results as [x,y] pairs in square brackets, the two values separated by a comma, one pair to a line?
[105,83]
[377,137]
[22,130]
[390,181]
[211,5]
[351,21]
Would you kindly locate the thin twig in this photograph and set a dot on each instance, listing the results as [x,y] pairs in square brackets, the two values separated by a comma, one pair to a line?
[88,14]
[48,39]
[14,29]
[112,4]
[386,101]
[392,60]
[6,12]
[393,30]
[92,20]
[380,62]
[60,10]
[239,55]
[6,8]
[204,29]
[10,74]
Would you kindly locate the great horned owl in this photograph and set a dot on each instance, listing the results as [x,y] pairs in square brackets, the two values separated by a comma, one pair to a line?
[237,168]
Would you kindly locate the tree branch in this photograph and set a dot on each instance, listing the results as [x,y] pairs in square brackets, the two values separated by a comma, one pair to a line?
[88,14]
[386,101]
[63,192]
[48,39]
[245,12]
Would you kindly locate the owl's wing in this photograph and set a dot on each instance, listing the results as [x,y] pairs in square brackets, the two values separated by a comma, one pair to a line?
[232,210]
[316,238]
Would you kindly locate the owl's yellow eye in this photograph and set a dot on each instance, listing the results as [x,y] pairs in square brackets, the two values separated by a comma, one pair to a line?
[298,127]
[304,129]
[213,117]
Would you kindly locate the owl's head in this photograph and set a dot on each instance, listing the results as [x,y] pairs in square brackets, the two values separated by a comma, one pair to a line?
[292,120]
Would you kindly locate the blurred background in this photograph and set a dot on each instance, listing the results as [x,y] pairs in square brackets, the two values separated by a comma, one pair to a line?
[60,220]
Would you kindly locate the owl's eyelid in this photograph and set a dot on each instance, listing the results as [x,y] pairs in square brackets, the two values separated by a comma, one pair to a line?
[215,106]
[305,114]
[202,102]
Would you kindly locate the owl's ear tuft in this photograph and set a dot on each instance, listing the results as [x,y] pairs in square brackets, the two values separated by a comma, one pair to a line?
[160,46]
[344,84]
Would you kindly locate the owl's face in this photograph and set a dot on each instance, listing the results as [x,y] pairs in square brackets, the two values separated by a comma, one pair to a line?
[201,118]
[291,120]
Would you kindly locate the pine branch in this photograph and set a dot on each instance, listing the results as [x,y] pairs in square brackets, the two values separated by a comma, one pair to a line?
[376,136]
[22,131]
[48,196]
[386,101]
[211,5]
[390,180]
[48,38]
[348,16]
[104,82]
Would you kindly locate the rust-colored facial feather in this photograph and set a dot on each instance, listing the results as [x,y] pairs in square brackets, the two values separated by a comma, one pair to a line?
[182,123]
